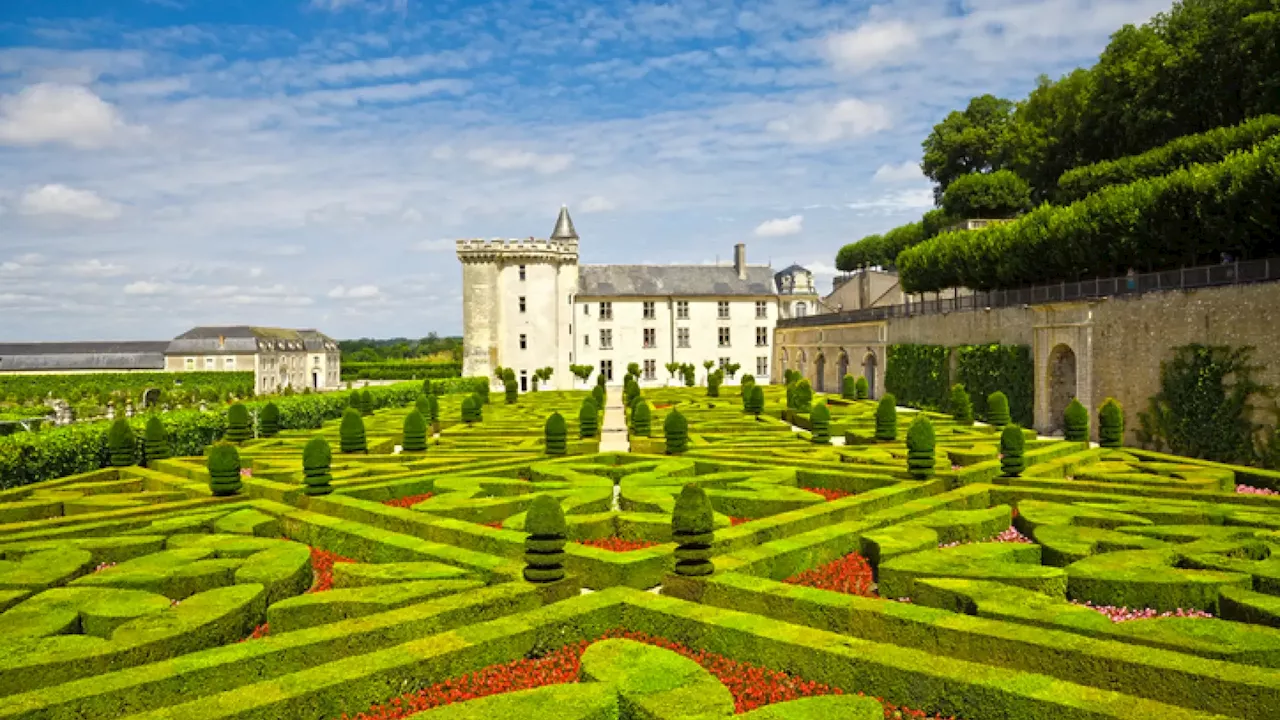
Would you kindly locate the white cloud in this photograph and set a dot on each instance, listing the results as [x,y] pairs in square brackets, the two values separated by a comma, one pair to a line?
[896,202]
[872,44]
[146,287]
[284,250]
[440,245]
[842,120]
[375,6]
[255,272]
[521,160]
[780,227]
[51,112]
[390,93]
[597,203]
[908,171]
[96,268]
[357,292]
[57,199]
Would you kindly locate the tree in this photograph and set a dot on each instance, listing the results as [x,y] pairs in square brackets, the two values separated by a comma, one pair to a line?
[641,418]
[316,461]
[714,381]
[1001,194]
[961,406]
[1012,463]
[415,432]
[470,410]
[544,545]
[921,442]
[556,435]
[582,372]
[731,369]
[676,431]
[1111,424]
[238,429]
[820,422]
[156,445]
[887,418]
[672,369]
[968,141]
[633,369]
[693,530]
[587,418]
[269,420]
[803,396]
[121,443]
[1075,420]
[351,432]
[223,464]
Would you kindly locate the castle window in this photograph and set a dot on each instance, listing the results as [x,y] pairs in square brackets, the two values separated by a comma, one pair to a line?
[762,337]
[586,341]
[606,339]
[229,364]
[682,337]
[524,341]
[650,369]
[762,309]
[801,310]
[762,367]
[722,310]
[682,309]
[724,362]
[208,363]
[724,337]
[606,311]
[521,272]
[586,309]
[606,369]
[522,303]
[650,338]
[649,313]
[189,363]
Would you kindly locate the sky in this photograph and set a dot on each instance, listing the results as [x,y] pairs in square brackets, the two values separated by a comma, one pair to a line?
[310,163]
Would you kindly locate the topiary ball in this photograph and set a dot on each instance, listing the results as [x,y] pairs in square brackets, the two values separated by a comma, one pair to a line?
[676,430]
[1012,444]
[848,388]
[238,428]
[1111,424]
[998,409]
[921,442]
[961,407]
[156,444]
[121,443]
[887,418]
[556,434]
[693,530]
[641,418]
[223,464]
[1075,422]
[862,387]
[269,420]
[544,545]
[415,433]
[820,422]
[317,458]
[470,409]
[351,432]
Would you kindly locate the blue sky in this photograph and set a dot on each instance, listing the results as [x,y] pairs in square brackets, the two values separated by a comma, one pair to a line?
[308,163]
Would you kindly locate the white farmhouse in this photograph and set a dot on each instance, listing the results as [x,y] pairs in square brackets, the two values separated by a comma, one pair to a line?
[528,304]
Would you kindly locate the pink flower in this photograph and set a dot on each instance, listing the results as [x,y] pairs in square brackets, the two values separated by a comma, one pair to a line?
[246,472]
[1250,490]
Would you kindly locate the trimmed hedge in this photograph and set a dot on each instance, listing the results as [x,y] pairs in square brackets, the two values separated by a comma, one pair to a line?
[555,434]
[887,418]
[917,375]
[156,445]
[676,430]
[820,424]
[1075,420]
[1012,445]
[269,420]
[693,529]
[960,406]
[238,426]
[415,432]
[351,432]
[316,461]
[984,369]
[544,545]
[224,469]
[1111,424]
[920,448]
[399,370]
[121,443]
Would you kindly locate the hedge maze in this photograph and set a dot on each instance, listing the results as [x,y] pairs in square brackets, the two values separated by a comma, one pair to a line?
[849,579]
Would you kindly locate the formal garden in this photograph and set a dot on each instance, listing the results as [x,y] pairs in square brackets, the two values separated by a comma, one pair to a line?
[765,552]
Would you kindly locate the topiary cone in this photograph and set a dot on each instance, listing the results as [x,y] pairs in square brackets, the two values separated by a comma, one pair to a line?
[1012,444]
[757,400]
[423,406]
[366,403]
[961,407]
[544,546]
[415,433]
[848,388]
[1111,424]
[921,442]
[587,419]
[433,405]
[317,458]
[862,388]
[510,390]
[269,420]
[121,443]
[641,418]
[803,396]
[1075,422]
[351,432]
[597,395]
[676,430]
[238,428]
[556,435]
[693,530]
[820,420]
[156,445]
[998,409]
[887,418]
[223,464]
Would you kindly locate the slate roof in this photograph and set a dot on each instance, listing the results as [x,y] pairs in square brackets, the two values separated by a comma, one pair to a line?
[141,355]
[682,280]
[564,226]
[243,339]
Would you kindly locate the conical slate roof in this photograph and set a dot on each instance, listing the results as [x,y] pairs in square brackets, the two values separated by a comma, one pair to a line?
[564,226]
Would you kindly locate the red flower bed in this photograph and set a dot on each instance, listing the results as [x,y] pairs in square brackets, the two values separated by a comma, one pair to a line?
[322,567]
[617,544]
[496,524]
[751,686]
[736,521]
[410,501]
[261,631]
[850,574]
[829,494]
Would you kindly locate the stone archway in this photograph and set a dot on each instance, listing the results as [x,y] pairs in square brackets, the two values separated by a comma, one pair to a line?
[820,373]
[869,372]
[1061,375]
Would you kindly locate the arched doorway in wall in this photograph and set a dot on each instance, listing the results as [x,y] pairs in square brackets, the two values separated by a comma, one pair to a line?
[1061,381]
[820,372]
[842,367]
[869,372]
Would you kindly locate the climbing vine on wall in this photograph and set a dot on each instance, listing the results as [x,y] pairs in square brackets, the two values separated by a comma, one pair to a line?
[984,369]
[1203,407]
[917,375]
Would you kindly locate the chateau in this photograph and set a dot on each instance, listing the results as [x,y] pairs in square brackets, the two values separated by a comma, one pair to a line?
[528,305]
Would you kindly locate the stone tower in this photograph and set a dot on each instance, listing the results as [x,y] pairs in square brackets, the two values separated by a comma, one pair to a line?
[517,300]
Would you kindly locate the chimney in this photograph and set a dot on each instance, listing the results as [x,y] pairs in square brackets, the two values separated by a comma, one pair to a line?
[740,260]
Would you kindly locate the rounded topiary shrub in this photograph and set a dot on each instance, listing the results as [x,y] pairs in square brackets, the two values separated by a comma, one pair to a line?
[597,394]
[156,443]
[961,406]
[714,381]
[238,429]
[803,396]
[269,420]
[1075,422]
[415,433]
[1012,444]
[317,458]
[122,445]
[223,464]
[351,432]
[544,545]
[693,530]
[676,430]
[861,388]
[820,421]
[744,387]
[848,388]
[1111,424]
[642,419]
[755,405]
[471,408]
[921,442]
[887,418]
[557,435]
[588,416]
[998,409]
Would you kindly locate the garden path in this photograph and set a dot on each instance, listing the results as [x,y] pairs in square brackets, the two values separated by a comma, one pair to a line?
[613,429]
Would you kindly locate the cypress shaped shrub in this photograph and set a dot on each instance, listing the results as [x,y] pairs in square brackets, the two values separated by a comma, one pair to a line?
[756,404]
[156,443]
[556,435]
[238,429]
[961,407]
[269,420]
[791,396]
[848,388]
[428,388]
[316,461]
[1012,444]
[415,433]
[351,432]
[862,388]
[471,412]
[998,409]
[510,388]
[433,409]
[482,393]
[803,396]
[693,530]
[1075,420]
[714,380]
[676,430]
[630,390]
[1111,424]
[920,446]
[748,382]
[820,420]
[642,419]
[600,380]
[366,403]
[887,418]
[423,406]
[588,415]
[544,546]
[223,464]
[597,394]
[121,443]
